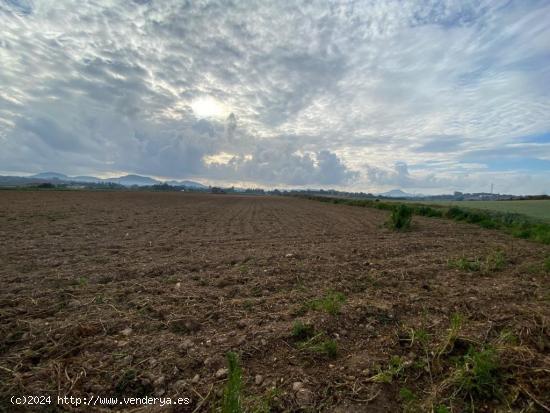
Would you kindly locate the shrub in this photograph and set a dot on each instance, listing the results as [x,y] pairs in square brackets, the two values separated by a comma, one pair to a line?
[401,217]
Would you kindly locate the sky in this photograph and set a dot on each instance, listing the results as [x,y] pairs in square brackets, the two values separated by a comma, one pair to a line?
[426,96]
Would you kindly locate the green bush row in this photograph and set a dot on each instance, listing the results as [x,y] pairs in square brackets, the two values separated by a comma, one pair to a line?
[518,225]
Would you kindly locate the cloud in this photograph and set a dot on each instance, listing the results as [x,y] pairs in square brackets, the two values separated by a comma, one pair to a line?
[325,94]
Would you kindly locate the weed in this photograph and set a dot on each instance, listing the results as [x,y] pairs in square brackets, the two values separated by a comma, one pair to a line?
[465,264]
[231,402]
[265,403]
[452,335]
[82,281]
[546,264]
[330,303]
[248,305]
[495,261]
[327,347]
[400,218]
[316,343]
[131,385]
[477,375]
[406,394]
[395,368]
[301,331]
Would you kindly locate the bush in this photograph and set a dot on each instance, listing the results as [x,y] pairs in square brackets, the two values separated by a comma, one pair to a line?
[401,217]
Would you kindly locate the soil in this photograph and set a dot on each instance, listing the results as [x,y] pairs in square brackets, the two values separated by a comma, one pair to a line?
[142,293]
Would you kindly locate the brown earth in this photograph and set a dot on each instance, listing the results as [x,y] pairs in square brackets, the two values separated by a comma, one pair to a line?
[137,293]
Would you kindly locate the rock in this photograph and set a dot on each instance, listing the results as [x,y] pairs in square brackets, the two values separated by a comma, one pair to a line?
[263,341]
[221,373]
[159,382]
[126,332]
[304,397]
[178,285]
[289,255]
[185,345]
[258,379]
[241,323]
[195,379]
[180,385]
[184,325]
[297,386]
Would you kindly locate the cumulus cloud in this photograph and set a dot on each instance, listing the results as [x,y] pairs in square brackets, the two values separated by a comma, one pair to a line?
[319,93]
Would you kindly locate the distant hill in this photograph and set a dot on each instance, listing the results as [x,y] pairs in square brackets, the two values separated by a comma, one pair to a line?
[130,180]
[126,180]
[50,175]
[398,193]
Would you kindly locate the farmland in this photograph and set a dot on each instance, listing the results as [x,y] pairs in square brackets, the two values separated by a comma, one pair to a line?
[138,294]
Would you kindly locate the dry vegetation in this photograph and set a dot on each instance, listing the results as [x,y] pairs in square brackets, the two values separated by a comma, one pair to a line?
[324,307]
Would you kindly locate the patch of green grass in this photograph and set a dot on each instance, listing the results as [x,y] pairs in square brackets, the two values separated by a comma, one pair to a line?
[231,401]
[330,303]
[400,218]
[546,264]
[495,261]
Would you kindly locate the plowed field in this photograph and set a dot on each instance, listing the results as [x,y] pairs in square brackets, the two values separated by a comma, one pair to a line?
[136,293]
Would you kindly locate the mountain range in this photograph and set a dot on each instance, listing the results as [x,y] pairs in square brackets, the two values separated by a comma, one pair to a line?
[126,180]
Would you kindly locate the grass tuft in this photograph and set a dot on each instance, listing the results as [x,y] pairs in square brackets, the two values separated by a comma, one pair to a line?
[330,303]
[231,402]
[478,375]
[302,331]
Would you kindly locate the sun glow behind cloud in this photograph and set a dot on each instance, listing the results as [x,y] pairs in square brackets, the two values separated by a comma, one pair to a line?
[208,107]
